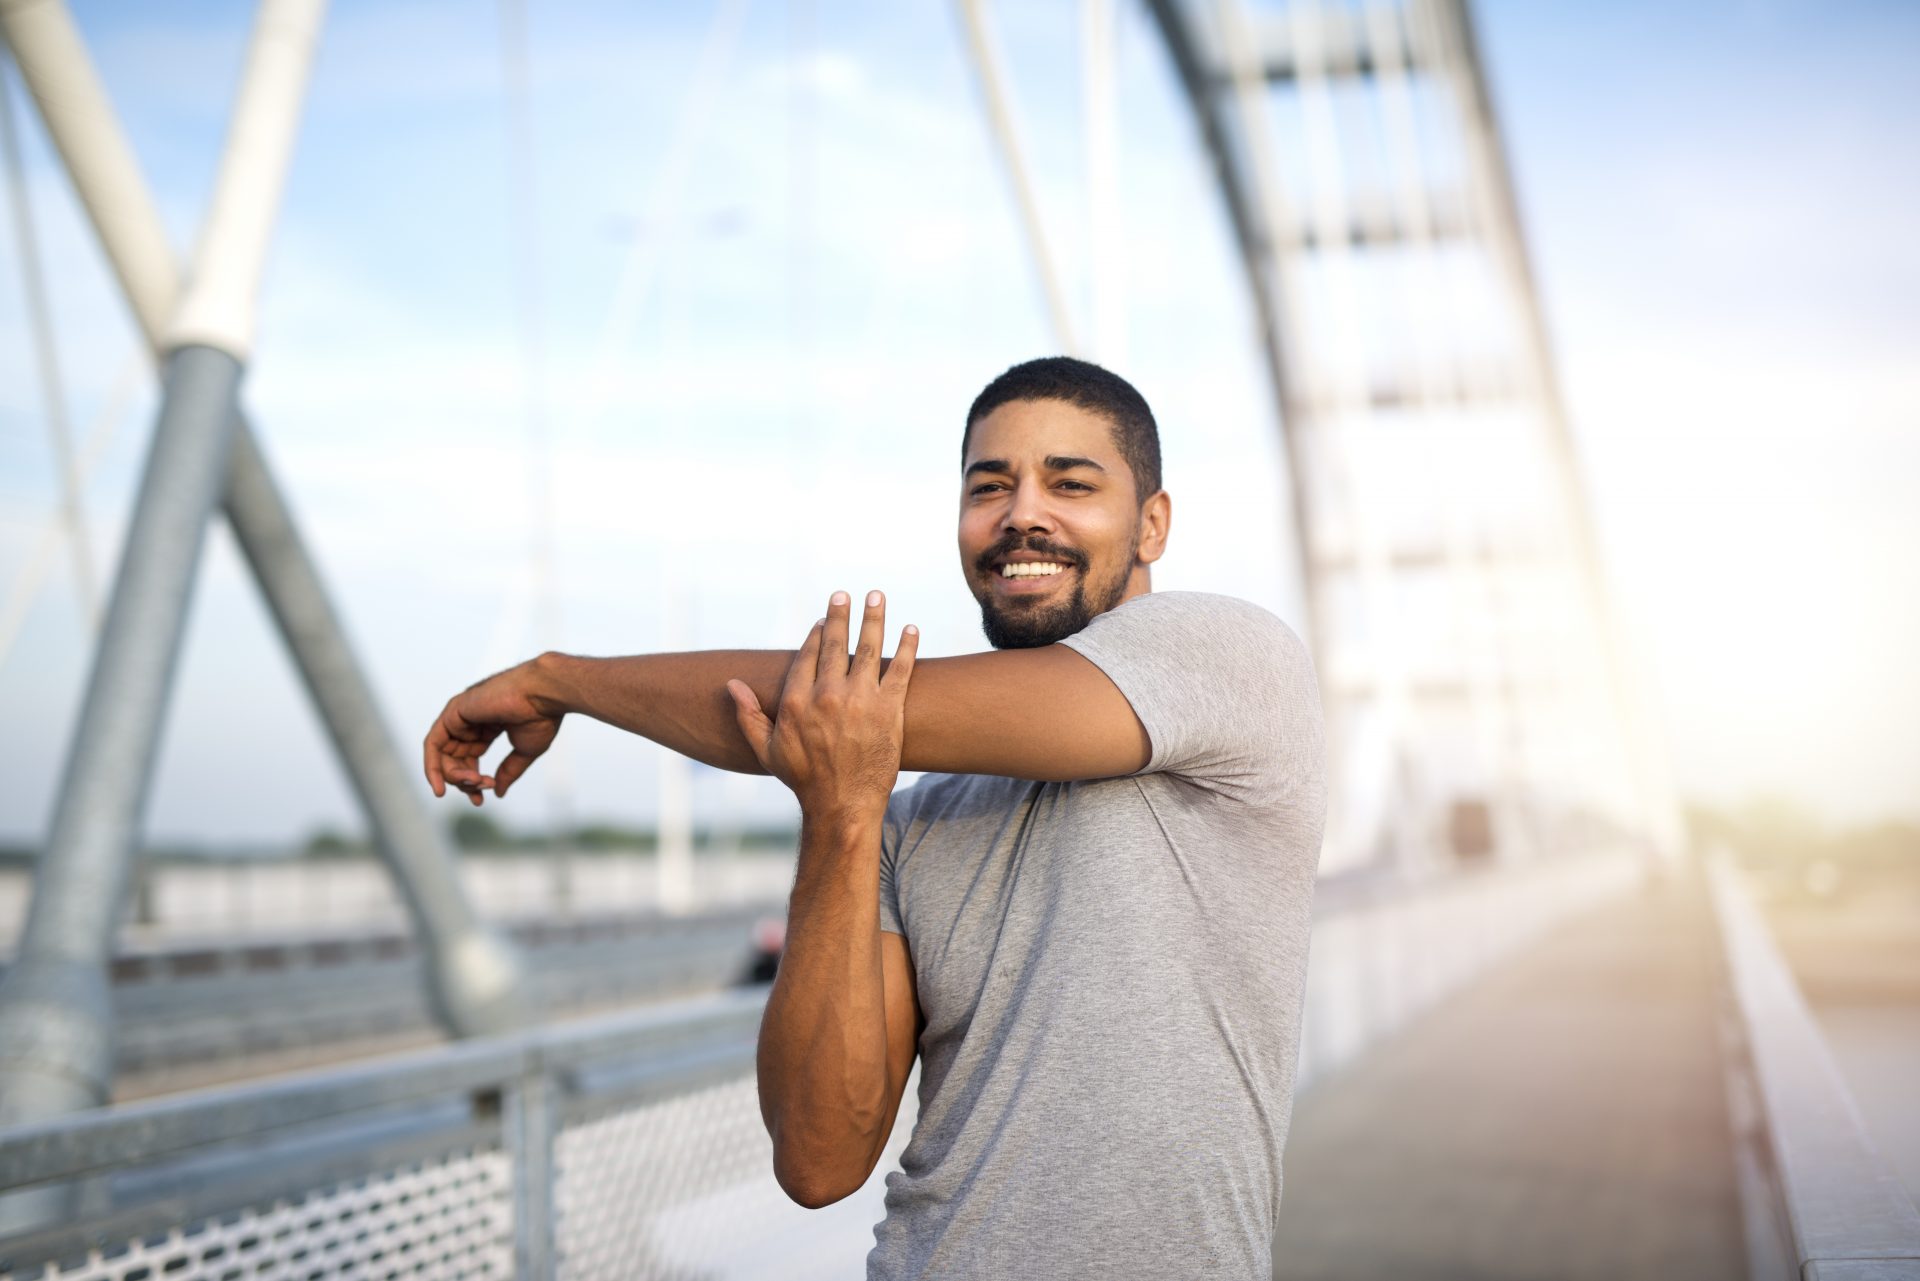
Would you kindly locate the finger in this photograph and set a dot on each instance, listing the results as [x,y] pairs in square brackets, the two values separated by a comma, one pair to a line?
[754,725]
[435,779]
[806,661]
[900,670]
[873,634]
[833,641]
[512,768]
[460,762]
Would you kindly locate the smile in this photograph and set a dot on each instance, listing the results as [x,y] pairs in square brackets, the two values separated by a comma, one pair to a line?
[1031,569]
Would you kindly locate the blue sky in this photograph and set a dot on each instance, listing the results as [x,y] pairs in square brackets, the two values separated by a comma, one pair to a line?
[1719,200]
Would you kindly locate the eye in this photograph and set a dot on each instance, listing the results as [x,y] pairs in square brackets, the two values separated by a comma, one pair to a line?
[981,489]
[1074,484]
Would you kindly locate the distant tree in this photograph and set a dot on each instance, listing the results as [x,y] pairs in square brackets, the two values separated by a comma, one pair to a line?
[475,831]
[329,843]
[610,836]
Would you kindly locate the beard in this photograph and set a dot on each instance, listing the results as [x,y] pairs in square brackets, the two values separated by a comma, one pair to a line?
[1028,622]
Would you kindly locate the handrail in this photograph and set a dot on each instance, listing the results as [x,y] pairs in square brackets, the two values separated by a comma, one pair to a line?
[175,1125]
[1845,1213]
[516,1112]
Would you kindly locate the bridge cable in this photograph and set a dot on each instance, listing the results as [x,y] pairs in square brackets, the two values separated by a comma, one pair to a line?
[72,508]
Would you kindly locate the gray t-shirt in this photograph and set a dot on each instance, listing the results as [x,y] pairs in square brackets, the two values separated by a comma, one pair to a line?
[1111,972]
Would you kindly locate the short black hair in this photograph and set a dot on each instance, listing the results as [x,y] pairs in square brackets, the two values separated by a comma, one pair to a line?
[1097,390]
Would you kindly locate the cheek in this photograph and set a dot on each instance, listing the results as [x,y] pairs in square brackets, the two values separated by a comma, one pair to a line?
[976,534]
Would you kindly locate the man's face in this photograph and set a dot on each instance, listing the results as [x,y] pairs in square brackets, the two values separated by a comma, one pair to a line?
[1044,491]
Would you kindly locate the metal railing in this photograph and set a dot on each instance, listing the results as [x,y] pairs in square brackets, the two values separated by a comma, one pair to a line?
[1819,1200]
[187,1005]
[471,1159]
[623,1147]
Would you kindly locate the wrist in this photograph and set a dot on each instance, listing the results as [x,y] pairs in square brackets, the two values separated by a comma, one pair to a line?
[852,822]
[552,683]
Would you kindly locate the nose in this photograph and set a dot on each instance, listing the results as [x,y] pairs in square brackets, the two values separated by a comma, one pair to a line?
[1029,512]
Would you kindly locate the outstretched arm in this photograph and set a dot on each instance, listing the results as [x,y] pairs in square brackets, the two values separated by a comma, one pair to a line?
[1046,714]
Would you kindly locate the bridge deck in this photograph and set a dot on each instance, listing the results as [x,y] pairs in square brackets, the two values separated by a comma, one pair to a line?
[1564,1116]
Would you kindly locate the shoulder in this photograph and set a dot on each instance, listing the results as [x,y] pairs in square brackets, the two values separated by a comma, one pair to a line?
[1213,607]
[1198,623]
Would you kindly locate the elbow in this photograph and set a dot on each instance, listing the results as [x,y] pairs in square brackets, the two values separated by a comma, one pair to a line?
[812,1185]
[816,1172]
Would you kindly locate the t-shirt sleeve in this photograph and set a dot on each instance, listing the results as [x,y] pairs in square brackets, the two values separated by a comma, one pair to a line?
[891,828]
[1226,691]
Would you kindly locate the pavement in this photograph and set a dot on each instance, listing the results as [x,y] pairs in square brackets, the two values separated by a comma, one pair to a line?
[1563,1116]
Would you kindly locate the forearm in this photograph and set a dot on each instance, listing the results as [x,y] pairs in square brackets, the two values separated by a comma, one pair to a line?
[822,1059]
[1022,714]
[678,700]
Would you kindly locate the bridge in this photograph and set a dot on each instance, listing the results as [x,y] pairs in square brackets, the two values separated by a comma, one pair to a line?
[1568,1070]
[1545,1034]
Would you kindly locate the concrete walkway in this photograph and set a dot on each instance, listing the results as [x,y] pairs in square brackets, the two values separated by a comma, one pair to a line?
[1562,1117]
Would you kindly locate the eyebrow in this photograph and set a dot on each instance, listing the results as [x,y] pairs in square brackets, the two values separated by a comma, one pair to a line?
[1053,462]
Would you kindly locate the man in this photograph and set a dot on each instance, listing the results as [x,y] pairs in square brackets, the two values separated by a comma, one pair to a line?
[1090,920]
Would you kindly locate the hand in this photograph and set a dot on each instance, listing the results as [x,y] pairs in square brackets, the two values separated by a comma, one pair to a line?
[473,718]
[835,739]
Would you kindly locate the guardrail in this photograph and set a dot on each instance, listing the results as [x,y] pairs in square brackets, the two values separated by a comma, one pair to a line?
[1819,1200]
[623,1147]
[180,1006]
[468,1158]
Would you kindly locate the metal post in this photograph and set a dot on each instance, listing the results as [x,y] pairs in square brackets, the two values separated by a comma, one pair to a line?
[530,1124]
[997,98]
[1099,48]
[72,506]
[55,1017]
[56,1033]
[473,973]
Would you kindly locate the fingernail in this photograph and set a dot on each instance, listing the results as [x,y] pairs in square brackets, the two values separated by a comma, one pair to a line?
[873,600]
[819,622]
[839,598]
[912,630]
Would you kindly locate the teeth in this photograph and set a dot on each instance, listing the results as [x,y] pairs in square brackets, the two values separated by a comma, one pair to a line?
[1030,569]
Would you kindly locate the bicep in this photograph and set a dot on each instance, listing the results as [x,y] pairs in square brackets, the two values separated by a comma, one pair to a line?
[1046,714]
[903,1021]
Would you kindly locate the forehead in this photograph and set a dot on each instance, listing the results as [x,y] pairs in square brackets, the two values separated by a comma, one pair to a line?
[1029,430]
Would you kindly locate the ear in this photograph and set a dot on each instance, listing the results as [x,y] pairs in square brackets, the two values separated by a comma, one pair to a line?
[1156,518]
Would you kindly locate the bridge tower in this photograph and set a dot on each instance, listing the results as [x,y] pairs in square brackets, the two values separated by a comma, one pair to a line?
[1478,701]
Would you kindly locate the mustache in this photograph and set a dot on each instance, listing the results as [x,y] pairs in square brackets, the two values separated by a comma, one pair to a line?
[1036,545]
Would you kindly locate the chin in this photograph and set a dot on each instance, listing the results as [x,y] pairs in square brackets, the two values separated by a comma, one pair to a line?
[1034,623]
[1033,628]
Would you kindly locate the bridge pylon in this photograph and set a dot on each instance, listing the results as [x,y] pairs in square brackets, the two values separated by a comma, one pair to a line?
[1478,701]
[56,1034]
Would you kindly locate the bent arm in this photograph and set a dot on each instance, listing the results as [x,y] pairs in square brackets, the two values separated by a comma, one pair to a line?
[839,1035]
[1045,714]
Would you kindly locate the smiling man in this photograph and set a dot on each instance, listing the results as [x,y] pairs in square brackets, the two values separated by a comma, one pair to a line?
[1089,920]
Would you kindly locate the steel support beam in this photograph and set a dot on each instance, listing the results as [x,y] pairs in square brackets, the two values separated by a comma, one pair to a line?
[1491,176]
[56,1030]
[1258,260]
[55,1015]
[475,979]
[997,98]
[56,1052]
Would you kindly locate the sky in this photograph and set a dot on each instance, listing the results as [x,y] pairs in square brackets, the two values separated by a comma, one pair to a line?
[765,306]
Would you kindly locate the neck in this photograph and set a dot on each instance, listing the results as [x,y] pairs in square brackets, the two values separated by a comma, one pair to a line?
[1139,583]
